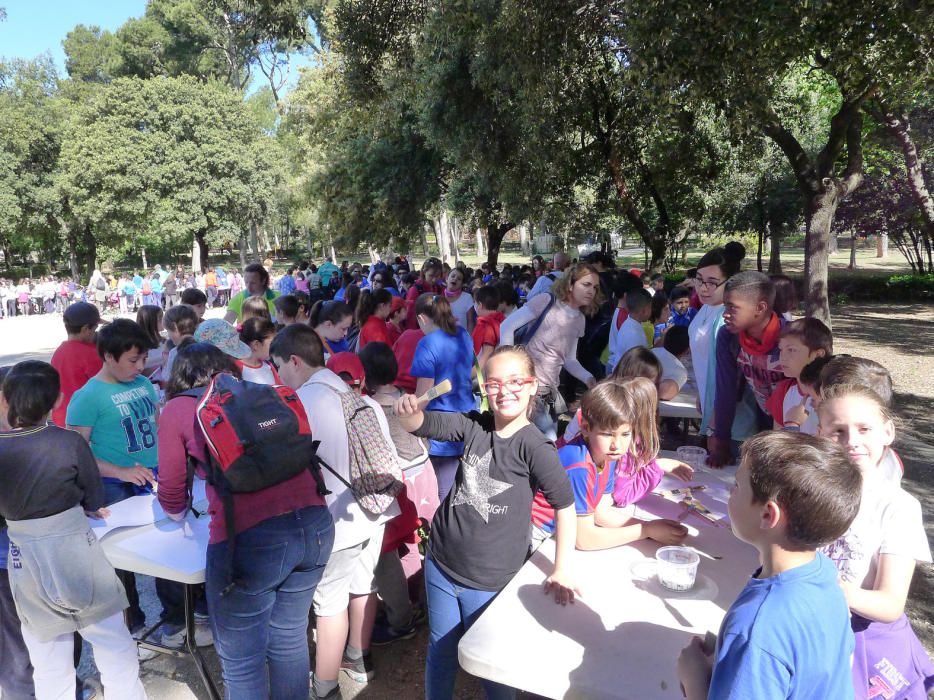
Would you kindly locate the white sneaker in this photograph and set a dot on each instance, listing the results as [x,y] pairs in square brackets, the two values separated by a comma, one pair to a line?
[146,654]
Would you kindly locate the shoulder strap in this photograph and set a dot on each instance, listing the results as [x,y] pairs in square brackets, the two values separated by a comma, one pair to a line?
[533,327]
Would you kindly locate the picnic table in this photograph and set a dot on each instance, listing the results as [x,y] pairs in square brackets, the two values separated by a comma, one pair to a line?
[621,639]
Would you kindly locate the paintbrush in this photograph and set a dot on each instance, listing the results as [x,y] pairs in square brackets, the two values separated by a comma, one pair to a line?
[434,392]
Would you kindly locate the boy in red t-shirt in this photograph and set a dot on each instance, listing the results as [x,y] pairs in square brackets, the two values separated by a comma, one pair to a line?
[76,359]
[489,318]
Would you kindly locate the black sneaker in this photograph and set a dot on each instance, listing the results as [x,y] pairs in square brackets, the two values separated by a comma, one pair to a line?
[384,634]
[359,670]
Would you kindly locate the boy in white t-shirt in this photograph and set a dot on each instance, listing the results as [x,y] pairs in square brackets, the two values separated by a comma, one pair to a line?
[628,334]
[800,343]
[675,346]
[344,609]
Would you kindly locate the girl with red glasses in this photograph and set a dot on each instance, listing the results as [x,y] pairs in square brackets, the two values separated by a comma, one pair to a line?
[480,534]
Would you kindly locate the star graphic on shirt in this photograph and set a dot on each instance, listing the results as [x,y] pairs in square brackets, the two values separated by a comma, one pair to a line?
[477,487]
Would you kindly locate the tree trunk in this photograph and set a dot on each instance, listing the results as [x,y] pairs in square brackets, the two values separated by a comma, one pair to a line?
[760,235]
[659,253]
[456,239]
[90,249]
[441,237]
[480,252]
[142,252]
[311,241]
[424,238]
[819,213]
[775,253]
[900,128]
[241,246]
[882,245]
[495,235]
[202,241]
[73,255]
[852,265]
[254,241]
[524,240]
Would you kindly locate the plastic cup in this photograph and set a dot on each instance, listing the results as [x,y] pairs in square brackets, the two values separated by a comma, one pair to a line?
[677,567]
[695,456]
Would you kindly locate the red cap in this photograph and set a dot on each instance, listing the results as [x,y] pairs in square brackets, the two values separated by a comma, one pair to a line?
[347,362]
[397,303]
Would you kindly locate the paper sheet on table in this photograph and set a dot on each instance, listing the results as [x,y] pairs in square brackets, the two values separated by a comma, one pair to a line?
[138,510]
[183,544]
[714,496]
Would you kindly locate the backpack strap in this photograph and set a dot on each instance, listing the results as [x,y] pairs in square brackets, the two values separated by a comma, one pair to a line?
[533,328]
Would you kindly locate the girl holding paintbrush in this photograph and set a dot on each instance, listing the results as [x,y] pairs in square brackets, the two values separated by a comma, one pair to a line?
[480,534]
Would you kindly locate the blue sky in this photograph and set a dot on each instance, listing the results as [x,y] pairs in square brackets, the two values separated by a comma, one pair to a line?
[33,27]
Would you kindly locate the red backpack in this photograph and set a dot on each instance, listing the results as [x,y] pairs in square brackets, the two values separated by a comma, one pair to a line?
[257,436]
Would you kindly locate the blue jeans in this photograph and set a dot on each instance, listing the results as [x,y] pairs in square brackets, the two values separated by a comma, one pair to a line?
[446,473]
[452,609]
[260,626]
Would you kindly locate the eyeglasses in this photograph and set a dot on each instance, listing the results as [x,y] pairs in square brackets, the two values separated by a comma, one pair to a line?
[709,284]
[513,386]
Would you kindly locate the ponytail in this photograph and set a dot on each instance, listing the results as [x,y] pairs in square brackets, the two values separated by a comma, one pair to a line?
[369,302]
[438,309]
[333,311]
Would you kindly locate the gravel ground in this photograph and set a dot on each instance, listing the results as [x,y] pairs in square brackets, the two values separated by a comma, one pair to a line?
[900,337]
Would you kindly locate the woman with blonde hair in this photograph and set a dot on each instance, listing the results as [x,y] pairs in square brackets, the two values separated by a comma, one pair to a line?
[559,316]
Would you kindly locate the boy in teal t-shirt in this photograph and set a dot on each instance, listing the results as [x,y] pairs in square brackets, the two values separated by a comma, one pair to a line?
[116,412]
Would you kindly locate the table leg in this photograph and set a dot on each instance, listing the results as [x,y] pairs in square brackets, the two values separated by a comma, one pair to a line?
[193,649]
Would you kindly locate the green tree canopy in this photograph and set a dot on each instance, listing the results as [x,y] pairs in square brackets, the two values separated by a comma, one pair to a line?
[167,158]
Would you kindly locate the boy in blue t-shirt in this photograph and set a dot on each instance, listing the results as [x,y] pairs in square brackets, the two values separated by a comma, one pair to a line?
[608,415]
[116,412]
[787,634]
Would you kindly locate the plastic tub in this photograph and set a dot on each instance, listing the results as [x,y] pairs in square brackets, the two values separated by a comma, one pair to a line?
[677,567]
[694,456]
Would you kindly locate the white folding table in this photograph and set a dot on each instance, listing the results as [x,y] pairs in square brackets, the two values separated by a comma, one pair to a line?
[175,551]
[622,638]
[684,405]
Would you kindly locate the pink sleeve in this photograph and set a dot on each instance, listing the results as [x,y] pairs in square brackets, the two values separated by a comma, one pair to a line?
[631,488]
[176,431]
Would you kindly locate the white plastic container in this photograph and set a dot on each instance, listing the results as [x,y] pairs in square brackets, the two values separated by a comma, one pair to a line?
[696,457]
[677,567]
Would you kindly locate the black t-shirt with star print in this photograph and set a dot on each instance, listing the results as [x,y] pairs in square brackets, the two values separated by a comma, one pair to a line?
[480,534]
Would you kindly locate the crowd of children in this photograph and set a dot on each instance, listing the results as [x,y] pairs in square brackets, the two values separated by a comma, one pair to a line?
[482,468]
